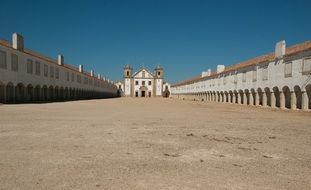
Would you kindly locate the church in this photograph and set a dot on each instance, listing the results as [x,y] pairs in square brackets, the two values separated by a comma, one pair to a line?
[143,83]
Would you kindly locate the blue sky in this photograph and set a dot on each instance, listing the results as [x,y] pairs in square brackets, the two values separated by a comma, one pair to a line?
[183,36]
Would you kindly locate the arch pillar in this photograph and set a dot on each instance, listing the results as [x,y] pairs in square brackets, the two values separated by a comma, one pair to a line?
[239,98]
[244,99]
[293,100]
[273,100]
[305,101]
[264,99]
[282,100]
[233,98]
[256,99]
[251,99]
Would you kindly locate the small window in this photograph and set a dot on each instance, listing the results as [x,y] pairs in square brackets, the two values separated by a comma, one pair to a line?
[144,73]
[254,75]
[244,76]
[78,78]
[46,71]
[136,94]
[72,77]
[225,80]
[68,76]
[14,62]
[306,66]
[2,59]
[38,68]
[149,83]
[265,73]
[136,82]
[51,71]
[29,66]
[288,69]
[57,73]
[143,82]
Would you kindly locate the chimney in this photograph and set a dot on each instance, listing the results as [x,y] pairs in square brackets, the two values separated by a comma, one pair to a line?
[280,49]
[98,76]
[81,68]
[208,73]
[92,73]
[60,60]
[18,42]
[220,68]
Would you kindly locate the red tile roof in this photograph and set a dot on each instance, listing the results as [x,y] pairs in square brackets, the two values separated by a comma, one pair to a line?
[299,48]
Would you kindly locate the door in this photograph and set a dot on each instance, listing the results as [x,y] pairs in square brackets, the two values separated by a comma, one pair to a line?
[143,93]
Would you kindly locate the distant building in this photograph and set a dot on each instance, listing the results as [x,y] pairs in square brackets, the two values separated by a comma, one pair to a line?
[142,83]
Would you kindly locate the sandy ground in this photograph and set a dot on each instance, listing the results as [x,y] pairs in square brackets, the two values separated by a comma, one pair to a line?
[159,143]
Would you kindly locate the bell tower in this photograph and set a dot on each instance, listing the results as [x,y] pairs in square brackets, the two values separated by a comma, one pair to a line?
[128,80]
[159,75]
[127,71]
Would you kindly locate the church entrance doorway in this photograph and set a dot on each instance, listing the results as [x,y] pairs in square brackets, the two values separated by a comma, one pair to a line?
[143,93]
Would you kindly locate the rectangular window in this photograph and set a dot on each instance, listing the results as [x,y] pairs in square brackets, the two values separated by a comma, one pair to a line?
[136,82]
[2,59]
[51,71]
[68,78]
[78,78]
[306,66]
[38,68]
[143,82]
[244,76]
[14,62]
[72,77]
[265,73]
[136,94]
[46,71]
[254,75]
[149,82]
[288,69]
[29,66]
[57,73]
[235,78]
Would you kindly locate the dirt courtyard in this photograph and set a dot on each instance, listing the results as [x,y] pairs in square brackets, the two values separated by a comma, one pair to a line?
[129,143]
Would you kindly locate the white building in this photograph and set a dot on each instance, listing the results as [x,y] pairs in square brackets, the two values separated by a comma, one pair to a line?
[143,83]
[27,76]
[280,79]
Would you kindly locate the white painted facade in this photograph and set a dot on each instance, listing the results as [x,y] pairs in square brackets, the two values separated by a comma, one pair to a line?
[271,80]
[29,76]
[143,83]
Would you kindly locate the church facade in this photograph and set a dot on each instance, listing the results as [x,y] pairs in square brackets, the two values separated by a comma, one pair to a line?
[143,83]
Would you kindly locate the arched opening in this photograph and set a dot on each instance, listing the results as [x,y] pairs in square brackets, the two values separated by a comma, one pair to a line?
[260,95]
[10,96]
[66,93]
[20,93]
[252,97]
[246,95]
[226,96]
[268,96]
[56,93]
[2,93]
[30,93]
[286,92]
[61,93]
[37,93]
[276,93]
[166,92]
[235,96]
[298,94]
[308,91]
[45,93]
[241,97]
[51,93]
[230,96]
